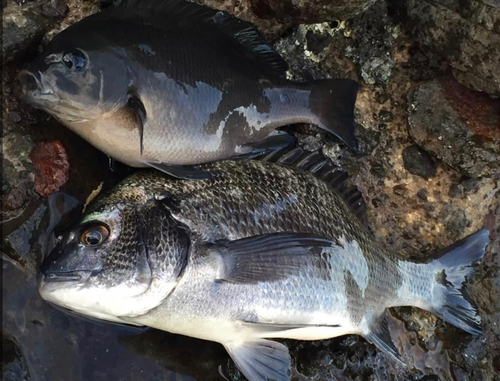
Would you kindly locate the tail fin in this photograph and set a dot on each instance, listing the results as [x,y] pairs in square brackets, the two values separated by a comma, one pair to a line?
[332,102]
[453,267]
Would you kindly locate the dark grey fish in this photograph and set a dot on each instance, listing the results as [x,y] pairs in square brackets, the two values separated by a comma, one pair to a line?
[165,84]
[257,252]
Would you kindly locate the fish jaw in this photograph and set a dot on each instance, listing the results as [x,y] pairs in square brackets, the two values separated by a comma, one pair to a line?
[119,304]
[36,91]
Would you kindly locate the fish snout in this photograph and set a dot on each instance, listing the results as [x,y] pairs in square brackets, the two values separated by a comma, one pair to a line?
[64,265]
[34,90]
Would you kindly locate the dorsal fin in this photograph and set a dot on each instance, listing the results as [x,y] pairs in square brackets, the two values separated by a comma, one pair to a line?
[325,170]
[243,33]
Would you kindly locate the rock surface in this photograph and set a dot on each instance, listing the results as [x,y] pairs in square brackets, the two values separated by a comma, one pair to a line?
[464,33]
[23,28]
[440,128]
[418,162]
[307,12]
[415,206]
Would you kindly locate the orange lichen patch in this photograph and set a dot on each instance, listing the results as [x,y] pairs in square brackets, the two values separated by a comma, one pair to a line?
[479,111]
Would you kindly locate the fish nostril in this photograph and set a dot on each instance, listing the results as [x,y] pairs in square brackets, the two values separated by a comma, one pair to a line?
[28,81]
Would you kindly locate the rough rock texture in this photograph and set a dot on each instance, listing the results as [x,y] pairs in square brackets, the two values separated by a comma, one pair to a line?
[464,33]
[23,28]
[272,17]
[310,11]
[415,206]
[440,128]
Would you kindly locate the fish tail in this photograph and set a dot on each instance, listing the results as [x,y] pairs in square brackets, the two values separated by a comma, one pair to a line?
[332,102]
[449,298]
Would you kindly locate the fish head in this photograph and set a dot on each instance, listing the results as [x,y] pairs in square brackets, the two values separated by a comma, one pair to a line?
[122,260]
[80,76]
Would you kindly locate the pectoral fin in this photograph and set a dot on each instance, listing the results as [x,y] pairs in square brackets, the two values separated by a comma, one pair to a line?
[180,171]
[135,104]
[269,257]
[274,141]
[260,359]
[296,331]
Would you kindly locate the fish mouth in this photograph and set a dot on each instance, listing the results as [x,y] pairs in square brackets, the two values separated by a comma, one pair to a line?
[34,90]
[78,276]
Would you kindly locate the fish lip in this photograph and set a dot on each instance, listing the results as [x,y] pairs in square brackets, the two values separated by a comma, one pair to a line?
[77,276]
[42,95]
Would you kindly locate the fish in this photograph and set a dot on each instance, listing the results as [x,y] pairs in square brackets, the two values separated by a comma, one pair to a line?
[262,250]
[171,84]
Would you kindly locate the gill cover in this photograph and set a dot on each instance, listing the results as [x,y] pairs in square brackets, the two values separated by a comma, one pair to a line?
[122,273]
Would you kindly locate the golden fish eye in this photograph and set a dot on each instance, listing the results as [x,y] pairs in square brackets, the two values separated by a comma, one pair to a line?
[94,235]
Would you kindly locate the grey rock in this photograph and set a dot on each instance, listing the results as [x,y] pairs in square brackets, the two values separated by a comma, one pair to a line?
[23,28]
[465,33]
[438,128]
[377,70]
[375,36]
[17,175]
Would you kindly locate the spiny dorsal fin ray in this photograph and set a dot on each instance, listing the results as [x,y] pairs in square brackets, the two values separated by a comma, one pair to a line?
[325,170]
[243,33]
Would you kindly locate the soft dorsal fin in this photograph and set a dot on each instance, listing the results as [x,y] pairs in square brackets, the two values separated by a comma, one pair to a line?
[325,170]
[243,33]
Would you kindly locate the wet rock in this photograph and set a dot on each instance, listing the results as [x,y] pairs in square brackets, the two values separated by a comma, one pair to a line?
[14,367]
[418,162]
[440,129]
[22,239]
[308,12]
[51,167]
[465,33]
[23,28]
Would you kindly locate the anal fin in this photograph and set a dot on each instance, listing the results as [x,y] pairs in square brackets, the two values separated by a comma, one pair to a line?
[181,171]
[380,336]
[260,359]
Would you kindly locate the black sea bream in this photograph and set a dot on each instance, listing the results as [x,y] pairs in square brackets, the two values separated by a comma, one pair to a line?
[259,251]
[165,84]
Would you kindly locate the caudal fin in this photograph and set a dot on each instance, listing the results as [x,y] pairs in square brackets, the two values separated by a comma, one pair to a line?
[332,102]
[450,302]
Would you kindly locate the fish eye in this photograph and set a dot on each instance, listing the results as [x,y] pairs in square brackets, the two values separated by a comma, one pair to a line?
[94,235]
[74,60]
